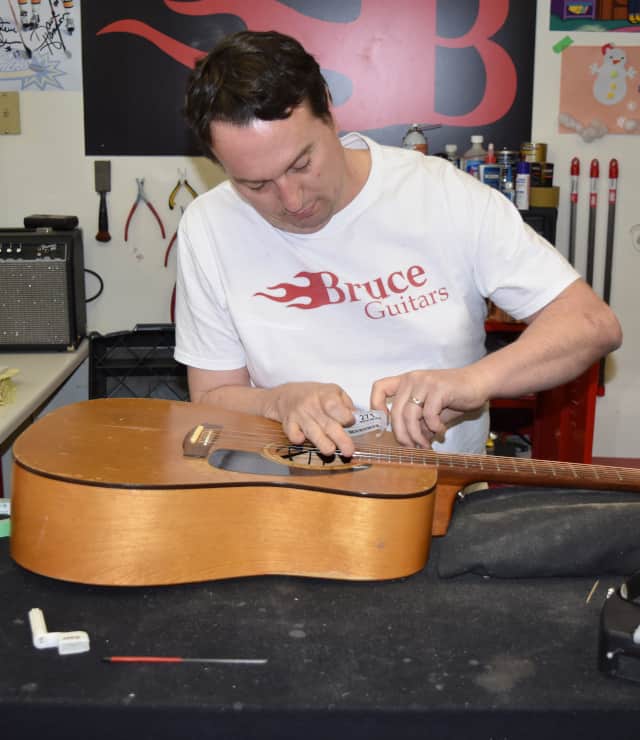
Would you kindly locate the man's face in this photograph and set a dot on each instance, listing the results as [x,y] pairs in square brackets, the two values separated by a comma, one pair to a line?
[292,171]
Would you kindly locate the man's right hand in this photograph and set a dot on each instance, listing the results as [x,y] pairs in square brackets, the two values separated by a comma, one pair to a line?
[317,412]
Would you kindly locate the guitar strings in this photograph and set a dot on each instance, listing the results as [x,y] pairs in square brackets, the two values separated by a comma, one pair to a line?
[270,433]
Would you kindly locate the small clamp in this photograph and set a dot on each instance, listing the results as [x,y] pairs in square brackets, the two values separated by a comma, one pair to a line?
[67,643]
[182,183]
[141,197]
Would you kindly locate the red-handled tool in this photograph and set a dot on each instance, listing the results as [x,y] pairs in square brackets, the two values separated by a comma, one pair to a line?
[141,197]
[575,174]
[175,659]
[594,174]
[613,195]
[608,260]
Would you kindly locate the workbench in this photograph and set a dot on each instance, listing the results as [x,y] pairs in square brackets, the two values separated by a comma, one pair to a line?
[41,376]
[467,657]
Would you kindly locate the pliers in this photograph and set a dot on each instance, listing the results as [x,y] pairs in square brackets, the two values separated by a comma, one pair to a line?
[182,183]
[141,197]
[168,249]
[172,241]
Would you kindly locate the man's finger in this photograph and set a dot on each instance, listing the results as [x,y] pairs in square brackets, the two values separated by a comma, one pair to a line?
[383,389]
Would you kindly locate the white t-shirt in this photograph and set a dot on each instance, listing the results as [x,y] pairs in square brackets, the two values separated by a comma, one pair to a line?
[396,281]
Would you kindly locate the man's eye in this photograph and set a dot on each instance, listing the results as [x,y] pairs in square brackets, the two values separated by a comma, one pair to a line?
[256,187]
[301,167]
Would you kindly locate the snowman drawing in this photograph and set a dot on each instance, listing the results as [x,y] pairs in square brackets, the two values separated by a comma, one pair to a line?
[610,86]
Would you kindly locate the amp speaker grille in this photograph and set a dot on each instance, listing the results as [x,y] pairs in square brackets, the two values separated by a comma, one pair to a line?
[34,303]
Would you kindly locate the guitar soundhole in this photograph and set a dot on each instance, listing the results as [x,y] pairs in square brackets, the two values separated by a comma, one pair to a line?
[310,458]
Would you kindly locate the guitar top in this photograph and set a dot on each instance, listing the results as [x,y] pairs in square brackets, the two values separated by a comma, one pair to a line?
[141,442]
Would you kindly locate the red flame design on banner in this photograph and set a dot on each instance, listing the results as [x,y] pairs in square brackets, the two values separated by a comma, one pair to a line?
[391,46]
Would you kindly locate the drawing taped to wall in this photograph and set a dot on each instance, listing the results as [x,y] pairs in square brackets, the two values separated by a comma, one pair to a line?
[595,15]
[40,45]
[599,91]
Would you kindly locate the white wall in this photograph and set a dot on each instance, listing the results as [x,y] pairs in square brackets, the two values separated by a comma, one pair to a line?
[618,411]
[44,170]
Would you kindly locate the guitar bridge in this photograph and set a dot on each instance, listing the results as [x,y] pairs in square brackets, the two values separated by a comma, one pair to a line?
[199,441]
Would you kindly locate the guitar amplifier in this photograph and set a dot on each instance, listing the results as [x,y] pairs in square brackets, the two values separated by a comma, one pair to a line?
[42,295]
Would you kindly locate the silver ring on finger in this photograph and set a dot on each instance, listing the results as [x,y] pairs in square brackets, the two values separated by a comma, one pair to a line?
[416,401]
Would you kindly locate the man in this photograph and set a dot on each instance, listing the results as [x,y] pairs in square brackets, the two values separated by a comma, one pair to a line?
[327,275]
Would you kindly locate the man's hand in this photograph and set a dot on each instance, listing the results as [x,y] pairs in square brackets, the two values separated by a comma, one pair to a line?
[425,402]
[314,411]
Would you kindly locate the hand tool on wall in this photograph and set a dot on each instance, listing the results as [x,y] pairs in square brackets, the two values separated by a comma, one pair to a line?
[608,260]
[102,172]
[172,305]
[172,241]
[142,198]
[182,183]
[594,174]
[575,174]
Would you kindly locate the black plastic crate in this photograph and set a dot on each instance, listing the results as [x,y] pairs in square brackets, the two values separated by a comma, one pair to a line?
[136,364]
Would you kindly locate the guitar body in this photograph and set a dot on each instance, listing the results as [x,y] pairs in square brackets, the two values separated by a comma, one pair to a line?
[104,494]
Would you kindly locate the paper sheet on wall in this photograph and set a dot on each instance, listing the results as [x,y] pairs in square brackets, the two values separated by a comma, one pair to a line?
[599,90]
[40,45]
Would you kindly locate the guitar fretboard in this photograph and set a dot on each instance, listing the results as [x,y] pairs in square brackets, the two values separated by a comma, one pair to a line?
[492,468]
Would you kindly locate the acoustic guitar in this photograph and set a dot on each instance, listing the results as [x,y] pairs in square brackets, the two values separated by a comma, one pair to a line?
[133,492]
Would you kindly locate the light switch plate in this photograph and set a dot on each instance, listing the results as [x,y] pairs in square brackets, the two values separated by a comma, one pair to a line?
[9,113]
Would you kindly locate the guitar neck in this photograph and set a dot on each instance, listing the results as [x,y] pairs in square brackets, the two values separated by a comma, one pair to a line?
[464,469]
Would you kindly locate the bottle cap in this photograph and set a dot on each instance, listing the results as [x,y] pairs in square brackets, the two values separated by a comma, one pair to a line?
[524,168]
[451,148]
[477,138]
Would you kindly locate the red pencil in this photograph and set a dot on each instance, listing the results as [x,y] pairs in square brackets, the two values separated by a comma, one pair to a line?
[175,659]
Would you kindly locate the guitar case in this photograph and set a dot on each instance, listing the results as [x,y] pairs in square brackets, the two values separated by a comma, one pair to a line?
[523,532]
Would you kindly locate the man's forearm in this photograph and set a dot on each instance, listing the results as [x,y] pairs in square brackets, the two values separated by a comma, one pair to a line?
[241,398]
[560,343]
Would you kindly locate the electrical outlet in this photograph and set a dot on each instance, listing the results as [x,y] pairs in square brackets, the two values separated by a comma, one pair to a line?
[9,113]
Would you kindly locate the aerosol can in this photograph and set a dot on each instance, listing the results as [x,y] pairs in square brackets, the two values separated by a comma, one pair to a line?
[415,139]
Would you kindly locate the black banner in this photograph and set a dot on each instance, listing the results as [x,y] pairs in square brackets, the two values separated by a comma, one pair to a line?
[464,64]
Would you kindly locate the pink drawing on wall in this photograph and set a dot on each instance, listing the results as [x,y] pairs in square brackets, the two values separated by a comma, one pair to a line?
[599,91]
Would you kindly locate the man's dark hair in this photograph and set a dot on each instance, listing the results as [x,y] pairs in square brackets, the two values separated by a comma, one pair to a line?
[253,75]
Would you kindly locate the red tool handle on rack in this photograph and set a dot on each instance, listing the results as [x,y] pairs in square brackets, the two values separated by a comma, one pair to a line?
[575,174]
[594,174]
[613,180]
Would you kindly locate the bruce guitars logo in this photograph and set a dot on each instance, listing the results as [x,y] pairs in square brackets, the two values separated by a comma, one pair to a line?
[401,292]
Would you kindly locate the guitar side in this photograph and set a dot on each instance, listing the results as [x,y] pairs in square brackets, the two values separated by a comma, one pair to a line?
[103,495]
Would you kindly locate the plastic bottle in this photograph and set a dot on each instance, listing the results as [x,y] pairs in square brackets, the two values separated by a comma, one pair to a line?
[489,171]
[415,139]
[475,155]
[451,152]
[523,186]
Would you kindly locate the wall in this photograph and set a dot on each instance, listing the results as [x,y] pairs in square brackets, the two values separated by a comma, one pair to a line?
[618,410]
[44,170]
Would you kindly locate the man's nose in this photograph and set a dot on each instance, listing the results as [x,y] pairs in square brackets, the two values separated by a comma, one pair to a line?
[291,195]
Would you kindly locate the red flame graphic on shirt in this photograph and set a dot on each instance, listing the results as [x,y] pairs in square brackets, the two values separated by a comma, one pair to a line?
[389,43]
[315,291]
